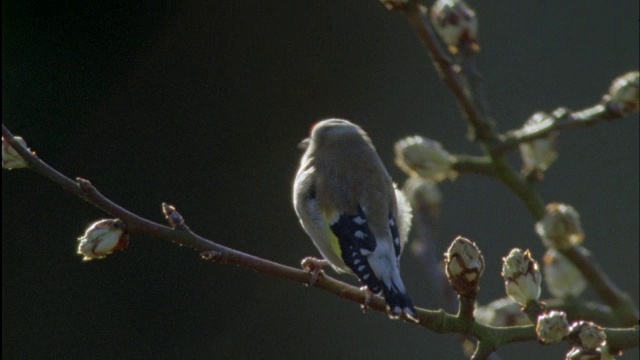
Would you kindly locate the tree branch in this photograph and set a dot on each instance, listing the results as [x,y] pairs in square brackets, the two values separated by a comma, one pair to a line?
[563,119]
[473,164]
[473,106]
[583,310]
[438,321]
[469,94]
[482,128]
[210,250]
[623,307]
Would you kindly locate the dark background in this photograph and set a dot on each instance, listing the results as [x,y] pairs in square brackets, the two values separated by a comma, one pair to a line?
[202,104]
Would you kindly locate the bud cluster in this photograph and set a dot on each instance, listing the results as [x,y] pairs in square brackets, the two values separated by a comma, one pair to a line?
[589,342]
[587,335]
[552,327]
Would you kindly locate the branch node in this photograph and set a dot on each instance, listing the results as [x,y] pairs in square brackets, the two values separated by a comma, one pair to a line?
[175,220]
[85,185]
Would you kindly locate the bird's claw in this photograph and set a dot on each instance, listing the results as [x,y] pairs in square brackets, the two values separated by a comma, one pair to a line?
[367,299]
[313,266]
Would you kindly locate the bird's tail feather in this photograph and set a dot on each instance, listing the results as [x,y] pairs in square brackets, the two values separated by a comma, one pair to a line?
[399,303]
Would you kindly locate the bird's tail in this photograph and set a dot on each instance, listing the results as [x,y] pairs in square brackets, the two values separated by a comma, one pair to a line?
[399,303]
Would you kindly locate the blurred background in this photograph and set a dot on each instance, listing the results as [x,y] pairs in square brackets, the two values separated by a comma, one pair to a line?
[201,104]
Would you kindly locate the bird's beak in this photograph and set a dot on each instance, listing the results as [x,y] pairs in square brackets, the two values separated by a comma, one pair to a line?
[304,144]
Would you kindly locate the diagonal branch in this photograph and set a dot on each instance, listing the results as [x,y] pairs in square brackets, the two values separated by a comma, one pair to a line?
[209,250]
[438,321]
[620,302]
[563,119]
[482,128]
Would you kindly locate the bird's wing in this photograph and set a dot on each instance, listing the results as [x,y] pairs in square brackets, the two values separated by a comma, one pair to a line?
[356,243]
[316,223]
[373,261]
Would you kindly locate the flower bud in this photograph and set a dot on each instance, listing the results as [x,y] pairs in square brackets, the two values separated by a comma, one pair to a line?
[537,155]
[563,279]
[422,192]
[464,265]
[560,228]
[424,157]
[552,327]
[174,218]
[502,312]
[454,21]
[623,93]
[102,238]
[10,157]
[522,277]
[587,335]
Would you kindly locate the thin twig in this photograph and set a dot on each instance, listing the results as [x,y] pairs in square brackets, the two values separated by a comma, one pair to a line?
[474,165]
[577,309]
[466,307]
[563,119]
[519,186]
[469,50]
[417,15]
[621,304]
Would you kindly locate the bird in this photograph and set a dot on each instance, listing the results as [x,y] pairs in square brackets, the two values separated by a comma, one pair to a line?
[352,211]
